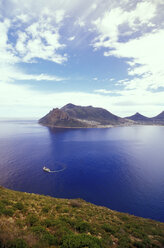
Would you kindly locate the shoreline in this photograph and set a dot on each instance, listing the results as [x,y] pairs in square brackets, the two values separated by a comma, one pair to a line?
[103,126]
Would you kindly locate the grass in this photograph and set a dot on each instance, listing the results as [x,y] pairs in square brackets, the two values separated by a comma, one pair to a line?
[36,221]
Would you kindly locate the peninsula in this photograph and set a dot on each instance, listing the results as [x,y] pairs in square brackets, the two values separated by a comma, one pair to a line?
[73,116]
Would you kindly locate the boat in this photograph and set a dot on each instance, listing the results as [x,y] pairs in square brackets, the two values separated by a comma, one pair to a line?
[46,169]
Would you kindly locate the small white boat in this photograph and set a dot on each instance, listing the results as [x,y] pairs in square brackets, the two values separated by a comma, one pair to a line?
[46,169]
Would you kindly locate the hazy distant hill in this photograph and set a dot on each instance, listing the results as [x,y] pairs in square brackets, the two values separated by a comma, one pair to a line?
[139,117]
[159,118]
[78,116]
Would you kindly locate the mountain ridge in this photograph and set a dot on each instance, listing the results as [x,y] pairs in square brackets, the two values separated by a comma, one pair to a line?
[138,117]
[72,115]
[76,116]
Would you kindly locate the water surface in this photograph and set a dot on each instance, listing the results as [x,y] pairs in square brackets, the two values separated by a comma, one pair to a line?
[121,168]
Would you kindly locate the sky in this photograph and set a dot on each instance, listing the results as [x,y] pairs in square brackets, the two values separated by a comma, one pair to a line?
[103,53]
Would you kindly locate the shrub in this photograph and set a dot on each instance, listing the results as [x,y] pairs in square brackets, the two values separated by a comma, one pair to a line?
[32,219]
[82,226]
[2,208]
[20,223]
[124,217]
[48,222]
[8,212]
[61,232]
[6,202]
[38,230]
[49,238]
[124,242]
[58,207]
[19,206]
[17,243]
[80,240]
[65,210]
[111,229]
[45,209]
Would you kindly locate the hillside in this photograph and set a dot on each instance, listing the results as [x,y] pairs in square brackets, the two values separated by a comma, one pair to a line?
[159,118]
[141,119]
[138,117]
[78,116]
[30,220]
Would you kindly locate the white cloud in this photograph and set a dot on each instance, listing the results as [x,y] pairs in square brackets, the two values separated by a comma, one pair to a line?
[59,15]
[147,57]
[71,38]
[80,22]
[25,37]
[23,18]
[36,104]
[12,73]
[40,40]
[117,32]
[126,29]
[104,91]
[6,50]
[108,25]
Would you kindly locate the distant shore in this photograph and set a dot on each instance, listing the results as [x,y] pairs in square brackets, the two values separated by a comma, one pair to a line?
[103,126]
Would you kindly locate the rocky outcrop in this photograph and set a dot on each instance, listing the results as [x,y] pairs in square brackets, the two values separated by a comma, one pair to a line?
[60,118]
[54,116]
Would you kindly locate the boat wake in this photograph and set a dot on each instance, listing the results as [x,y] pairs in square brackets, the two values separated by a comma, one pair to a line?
[63,167]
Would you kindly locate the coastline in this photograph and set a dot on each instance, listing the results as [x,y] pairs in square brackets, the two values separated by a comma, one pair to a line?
[102,126]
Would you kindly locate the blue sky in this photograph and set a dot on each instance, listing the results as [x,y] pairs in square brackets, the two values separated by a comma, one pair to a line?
[106,54]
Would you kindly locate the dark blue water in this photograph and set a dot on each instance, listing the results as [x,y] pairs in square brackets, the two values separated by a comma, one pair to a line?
[121,168]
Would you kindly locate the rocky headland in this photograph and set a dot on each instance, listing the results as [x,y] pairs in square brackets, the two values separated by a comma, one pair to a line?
[73,116]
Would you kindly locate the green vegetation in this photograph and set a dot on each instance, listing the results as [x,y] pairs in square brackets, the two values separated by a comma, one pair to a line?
[35,221]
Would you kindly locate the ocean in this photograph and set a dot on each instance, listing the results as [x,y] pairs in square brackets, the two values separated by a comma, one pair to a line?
[121,168]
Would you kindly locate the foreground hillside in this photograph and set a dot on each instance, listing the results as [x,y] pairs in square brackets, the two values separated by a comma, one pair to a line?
[29,220]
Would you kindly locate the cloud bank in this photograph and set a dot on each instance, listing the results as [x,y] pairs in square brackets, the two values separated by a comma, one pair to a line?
[130,31]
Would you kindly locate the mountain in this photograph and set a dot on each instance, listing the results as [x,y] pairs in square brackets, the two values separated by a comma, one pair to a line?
[71,116]
[141,119]
[159,118]
[79,116]
[59,118]
[30,220]
[138,117]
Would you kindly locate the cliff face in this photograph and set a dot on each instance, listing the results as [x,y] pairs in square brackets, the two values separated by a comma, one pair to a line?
[78,116]
[53,116]
[60,118]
